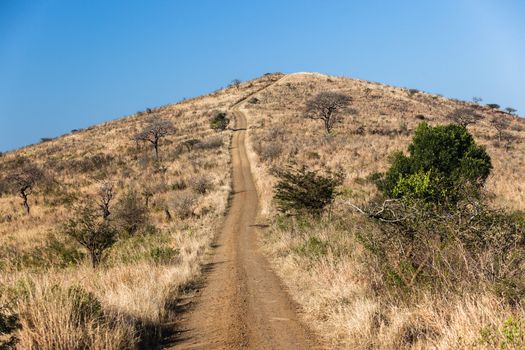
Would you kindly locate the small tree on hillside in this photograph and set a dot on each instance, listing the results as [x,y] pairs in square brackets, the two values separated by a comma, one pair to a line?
[23,182]
[91,231]
[441,160]
[154,132]
[500,124]
[464,116]
[305,191]
[511,110]
[235,83]
[493,105]
[328,107]
[477,100]
[220,121]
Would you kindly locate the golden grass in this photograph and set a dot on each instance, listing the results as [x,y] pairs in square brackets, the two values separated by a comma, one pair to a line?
[142,276]
[337,291]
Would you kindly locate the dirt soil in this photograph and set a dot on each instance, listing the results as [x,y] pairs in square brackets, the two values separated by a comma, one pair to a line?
[242,304]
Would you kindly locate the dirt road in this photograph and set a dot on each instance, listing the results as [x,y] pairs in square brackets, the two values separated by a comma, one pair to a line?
[242,304]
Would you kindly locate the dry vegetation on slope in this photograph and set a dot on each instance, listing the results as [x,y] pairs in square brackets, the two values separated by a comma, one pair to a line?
[324,263]
[46,276]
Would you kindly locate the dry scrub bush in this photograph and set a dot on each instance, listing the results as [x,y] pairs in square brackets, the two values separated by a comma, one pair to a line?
[183,204]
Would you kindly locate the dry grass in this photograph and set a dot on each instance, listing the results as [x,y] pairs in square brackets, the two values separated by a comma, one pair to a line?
[142,276]
[324,265]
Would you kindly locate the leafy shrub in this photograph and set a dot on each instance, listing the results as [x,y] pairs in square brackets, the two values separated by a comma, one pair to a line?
[130,213]
[441,160]
[163,255]
[302,190]
[9,323]
[220,121]
[451,248]
[85,306]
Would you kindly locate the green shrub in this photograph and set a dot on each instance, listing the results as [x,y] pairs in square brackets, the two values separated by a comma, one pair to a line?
[305,191]
[219,121]
[441,160]
[469,246]
[163,255]
[9,324]
[85,306]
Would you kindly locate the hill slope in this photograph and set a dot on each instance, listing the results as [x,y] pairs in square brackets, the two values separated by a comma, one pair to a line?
[185,195]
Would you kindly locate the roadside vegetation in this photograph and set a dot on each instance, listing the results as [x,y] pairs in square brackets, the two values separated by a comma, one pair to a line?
[420,244]
[103,229]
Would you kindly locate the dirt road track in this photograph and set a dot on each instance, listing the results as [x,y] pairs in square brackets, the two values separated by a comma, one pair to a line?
[243,304]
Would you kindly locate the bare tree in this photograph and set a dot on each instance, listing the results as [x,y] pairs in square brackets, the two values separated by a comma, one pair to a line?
[106,195]
[23,182]
[464,116]
[236,83]
[91,231]
[154,132]
[500,124]
[327,106]
[477,100]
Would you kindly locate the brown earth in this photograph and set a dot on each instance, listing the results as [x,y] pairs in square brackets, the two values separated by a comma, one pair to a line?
[243,304]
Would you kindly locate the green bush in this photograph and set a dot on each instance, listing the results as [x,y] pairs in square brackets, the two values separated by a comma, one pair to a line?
[9,323]
[468,246]
[441,160]
[220,121]
[85,306]
[305,191]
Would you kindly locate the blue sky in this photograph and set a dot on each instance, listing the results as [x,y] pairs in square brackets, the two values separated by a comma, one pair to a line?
[70,64]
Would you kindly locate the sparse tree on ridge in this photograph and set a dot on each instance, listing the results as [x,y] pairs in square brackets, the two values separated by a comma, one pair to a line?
[464,116]
[236,83]
[510,110]
[477,100]
[154,132]
[328,107]
[500,124]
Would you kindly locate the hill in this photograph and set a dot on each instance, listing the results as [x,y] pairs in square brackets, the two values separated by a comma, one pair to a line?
[181,199]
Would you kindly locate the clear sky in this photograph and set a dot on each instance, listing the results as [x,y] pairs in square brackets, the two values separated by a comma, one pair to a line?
[70,64]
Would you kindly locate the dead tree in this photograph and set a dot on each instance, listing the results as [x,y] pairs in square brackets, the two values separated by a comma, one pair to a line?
[106,195]
[328,107]
[23,182]
[154,132]
[500,124]
[464,116]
